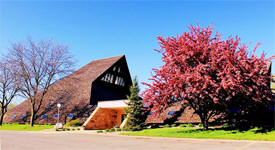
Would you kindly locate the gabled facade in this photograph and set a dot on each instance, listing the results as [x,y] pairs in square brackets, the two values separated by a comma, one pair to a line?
[113,84]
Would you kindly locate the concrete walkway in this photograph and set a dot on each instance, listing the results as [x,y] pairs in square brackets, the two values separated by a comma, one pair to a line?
[90,140]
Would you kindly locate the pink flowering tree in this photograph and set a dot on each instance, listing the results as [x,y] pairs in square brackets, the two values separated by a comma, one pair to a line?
[205,72]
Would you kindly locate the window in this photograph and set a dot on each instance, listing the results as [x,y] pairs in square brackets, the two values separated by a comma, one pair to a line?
[103,78]
[171,112]
[119,81]
[44,116]
[71,115]
[122,82]
[56,116]
[108,78]
[23,116]
[116,69]
[111,78]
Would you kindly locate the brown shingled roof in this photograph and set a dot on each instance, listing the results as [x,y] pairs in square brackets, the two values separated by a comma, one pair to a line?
[182,115]
[73,92]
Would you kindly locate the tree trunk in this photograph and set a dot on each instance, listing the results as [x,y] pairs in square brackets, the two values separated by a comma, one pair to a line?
[32,115]
[3,112]
[1,118]
[205,125]
[204,121]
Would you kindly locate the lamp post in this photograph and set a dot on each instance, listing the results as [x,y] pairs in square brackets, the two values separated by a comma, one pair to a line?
[58,107]
[58,125]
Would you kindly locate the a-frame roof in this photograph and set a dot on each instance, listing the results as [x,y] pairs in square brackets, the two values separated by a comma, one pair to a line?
[73,91]
[97,67]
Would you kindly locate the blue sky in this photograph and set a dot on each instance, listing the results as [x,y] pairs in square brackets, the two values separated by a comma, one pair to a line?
[99,29]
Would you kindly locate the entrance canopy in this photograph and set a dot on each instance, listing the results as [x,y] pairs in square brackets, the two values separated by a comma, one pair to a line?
[107,115]
[113,104]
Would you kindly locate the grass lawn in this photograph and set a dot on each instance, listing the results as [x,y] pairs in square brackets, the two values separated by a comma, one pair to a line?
[252,134]
[24,127]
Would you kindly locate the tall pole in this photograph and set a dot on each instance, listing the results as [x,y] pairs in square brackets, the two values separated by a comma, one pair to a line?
[58,106]
[58,114]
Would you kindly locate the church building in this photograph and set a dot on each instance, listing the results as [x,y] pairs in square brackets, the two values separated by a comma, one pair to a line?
[95,94]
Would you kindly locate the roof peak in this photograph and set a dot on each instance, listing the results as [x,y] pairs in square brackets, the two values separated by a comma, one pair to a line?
[119,56]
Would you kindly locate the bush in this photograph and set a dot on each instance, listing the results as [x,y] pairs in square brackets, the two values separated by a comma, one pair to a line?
[57,130]
[106,130]
[136,128]
[78,129]
[166,126]
[99,131]
[112,130]
[63,129]
[173,125]
[225,125]
[68,129]
[133,128]
[73,129]
[182,125]
[154,126]
[186,125]
[189,125]
[74,123]
[118,129]
[200,125]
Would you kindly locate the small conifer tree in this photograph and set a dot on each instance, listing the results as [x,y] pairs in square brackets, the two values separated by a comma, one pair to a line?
[136,113]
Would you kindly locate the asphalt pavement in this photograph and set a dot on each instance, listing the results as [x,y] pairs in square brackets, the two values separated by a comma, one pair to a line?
[29,140]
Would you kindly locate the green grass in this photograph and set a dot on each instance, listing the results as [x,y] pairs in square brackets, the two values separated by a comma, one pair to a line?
[24,127]
[252,134]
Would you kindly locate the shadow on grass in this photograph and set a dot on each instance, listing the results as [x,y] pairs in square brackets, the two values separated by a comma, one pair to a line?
[263,130]
[230,130]
[196,130]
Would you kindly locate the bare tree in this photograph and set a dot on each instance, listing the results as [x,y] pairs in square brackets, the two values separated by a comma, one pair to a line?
[9,85]
[40,65]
